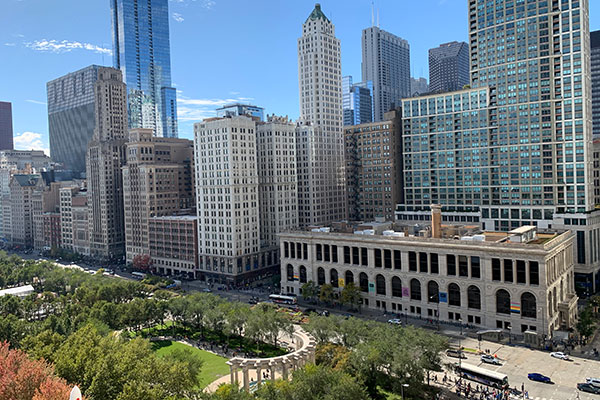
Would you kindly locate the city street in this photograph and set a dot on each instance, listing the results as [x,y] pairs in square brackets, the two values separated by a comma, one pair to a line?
[517,362]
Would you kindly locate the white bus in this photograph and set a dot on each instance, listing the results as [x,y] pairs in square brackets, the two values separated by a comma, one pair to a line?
[283,299]
[482,375]
[138,275]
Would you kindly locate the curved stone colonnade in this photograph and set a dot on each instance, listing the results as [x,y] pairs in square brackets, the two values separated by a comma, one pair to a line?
[283,365]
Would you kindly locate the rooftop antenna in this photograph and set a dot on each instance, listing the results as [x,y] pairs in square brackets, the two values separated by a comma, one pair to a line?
[372,14]
[378,17]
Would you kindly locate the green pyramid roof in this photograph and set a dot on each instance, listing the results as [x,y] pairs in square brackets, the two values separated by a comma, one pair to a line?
[317,13]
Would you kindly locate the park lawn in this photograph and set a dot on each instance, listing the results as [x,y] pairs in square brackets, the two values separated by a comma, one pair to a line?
[214,366]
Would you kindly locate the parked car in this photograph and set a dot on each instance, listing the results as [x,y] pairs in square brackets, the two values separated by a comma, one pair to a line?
[207,290]
[587,387]
[394,321]
[325,313]
[560,355]
[456,353]
[253,300]
[593,381]
[534,376]
[486,358]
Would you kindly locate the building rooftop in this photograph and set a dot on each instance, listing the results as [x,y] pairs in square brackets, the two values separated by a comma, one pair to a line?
[177,218]
[317,14]
[18,291]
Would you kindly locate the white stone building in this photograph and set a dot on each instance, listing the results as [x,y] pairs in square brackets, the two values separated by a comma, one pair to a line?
[517,281]
[320,140]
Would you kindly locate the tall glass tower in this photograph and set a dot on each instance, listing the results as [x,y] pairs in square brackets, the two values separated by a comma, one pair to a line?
[141,51]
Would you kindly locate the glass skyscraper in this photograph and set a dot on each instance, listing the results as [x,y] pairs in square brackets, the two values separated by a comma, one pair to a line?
[6,128]
[357,101]
[449,67]
[516,148]
[141,50]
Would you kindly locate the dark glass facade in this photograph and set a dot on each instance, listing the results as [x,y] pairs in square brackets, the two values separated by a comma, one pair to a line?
[71,119]
[141,50]
[6,128]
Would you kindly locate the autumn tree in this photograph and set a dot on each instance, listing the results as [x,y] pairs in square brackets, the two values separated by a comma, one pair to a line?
[142,262]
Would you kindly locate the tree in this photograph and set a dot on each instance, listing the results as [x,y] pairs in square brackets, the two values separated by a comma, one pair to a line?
[24,379]
[326,293]
[351,295]
[586,324]
[310,290]
[142,262]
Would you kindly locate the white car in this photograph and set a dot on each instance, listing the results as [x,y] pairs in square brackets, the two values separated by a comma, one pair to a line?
[593,381]
[560,355]
[394,321]
[486,358]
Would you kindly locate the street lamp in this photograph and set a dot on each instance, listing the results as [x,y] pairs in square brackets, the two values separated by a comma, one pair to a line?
[460,347]
[509,334]
[541,310]
[402,390]
[461,329]
[438,308]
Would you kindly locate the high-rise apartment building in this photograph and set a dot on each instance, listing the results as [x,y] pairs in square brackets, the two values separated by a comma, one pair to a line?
[105,157]
[595,73]
[20,230]
[320,138]
[374,168]
[227,198]
[157,181]
[277,179]
[6,128]
[71,117]
[357,101]
[385,62]
[74,220]
[449,67]
[516,149]
[141,49]
[173,243]
[418,86]
[242,109]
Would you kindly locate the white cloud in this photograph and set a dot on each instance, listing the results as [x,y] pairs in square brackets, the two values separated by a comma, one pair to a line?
[30,141]
[198,109]
[10,44]
[36,102]
[178,17]
[208,4]
[64,46]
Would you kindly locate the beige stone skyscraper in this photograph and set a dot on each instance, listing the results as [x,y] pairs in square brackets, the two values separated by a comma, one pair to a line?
[157,181]
[105,157]
[319,139]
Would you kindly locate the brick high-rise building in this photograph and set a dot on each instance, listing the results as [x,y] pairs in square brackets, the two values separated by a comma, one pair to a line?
[6,127]
[157,181]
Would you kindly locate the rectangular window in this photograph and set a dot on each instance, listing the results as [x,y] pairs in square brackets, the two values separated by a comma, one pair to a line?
[387,258]
[463,266]
[580,247]
[475,267]
[286,249]
[451,264]
[377,258]
[435,266]
[397,259]
[319,252]
[412,261]
[299,250]
[293,250]
[305,252]
[423,267]
[327,253]
[334,256]
[347,255]
[521,273]
[355,259]
[496,274]
[364,256]
[534,273]
[508,270]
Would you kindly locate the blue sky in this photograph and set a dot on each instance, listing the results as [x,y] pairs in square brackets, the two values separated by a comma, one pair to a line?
[221,50]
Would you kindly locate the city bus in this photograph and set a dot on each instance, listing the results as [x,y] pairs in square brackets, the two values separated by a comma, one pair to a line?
[283,299]
[138,275]
[482,375]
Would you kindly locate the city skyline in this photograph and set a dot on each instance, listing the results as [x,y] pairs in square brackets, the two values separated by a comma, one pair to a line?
[74,44]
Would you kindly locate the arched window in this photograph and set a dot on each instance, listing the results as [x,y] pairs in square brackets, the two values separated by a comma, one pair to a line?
[433,292]
[333,277]
[349,277]
[454,295]
[363,282]
[380,284]
[396,287]
[415,289]
[502,302]
[474,297]
[290,272]
[528,305]
[320,276]
[302,274]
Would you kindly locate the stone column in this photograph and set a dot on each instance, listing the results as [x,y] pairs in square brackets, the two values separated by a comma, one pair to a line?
[272,369]
[231,372]
[284,369]
[258,373]
[246,378]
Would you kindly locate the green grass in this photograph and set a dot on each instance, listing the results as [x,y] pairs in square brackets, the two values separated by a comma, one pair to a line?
[213,367]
